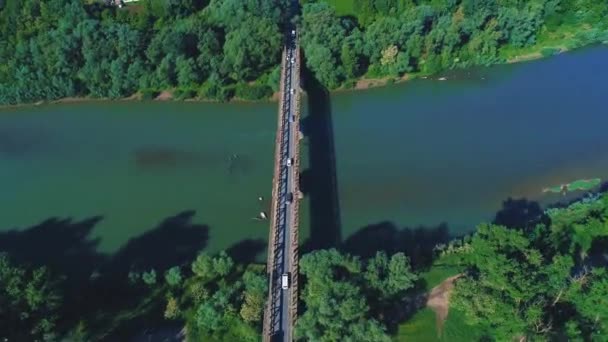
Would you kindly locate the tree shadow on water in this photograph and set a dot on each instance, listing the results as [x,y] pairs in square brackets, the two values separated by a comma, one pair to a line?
[247,251]
[175,241]
[95,285]
[417,243]
[60,244]
[319,181]
[518,213]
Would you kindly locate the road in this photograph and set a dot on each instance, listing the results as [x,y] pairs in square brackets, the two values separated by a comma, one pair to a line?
[287,197]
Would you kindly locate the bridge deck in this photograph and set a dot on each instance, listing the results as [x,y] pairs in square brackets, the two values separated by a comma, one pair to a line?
[281,309]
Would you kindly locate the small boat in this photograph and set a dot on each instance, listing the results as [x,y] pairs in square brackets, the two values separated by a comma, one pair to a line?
[442,78]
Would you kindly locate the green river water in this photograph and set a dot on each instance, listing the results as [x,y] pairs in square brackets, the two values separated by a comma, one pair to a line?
[421,154]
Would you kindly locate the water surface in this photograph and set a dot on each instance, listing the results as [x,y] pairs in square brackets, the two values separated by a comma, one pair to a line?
[423,153]
[137,164]
[429,152]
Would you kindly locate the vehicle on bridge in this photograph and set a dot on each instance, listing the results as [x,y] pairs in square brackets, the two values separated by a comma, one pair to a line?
[285,281]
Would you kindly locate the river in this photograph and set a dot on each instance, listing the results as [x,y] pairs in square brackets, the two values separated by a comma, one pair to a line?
[424,153]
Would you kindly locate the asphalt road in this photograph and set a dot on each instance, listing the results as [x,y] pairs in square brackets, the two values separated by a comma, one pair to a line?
[287,198]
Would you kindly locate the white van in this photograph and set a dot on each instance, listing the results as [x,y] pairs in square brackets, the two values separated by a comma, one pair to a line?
[285,281]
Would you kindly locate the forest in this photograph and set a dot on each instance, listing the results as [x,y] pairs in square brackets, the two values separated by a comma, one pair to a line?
[345,40]
[223,49]
[529,275]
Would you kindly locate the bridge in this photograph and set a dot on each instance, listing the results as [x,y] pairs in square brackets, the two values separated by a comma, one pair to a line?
[282,305]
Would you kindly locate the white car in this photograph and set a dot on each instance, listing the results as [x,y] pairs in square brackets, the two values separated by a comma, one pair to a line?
[289,161]
[285,281]
[293,33]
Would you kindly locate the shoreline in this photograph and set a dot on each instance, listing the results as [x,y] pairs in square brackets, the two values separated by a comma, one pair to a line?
[360,84]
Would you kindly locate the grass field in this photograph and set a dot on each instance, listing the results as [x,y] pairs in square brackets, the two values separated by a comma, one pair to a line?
[423,327]
[442,269]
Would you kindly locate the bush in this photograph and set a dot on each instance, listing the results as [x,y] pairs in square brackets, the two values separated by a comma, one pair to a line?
[149,94]
[149,278]
[252,92]
[274,78]
[173,276]
[350,84]
[184,93]
[215,91]
[549,51]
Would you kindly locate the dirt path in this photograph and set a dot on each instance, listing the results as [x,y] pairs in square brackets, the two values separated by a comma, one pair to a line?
[439,300]
[165,96]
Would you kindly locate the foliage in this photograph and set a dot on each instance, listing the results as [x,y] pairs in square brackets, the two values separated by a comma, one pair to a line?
[543,283]
[29,302]
[172,308]
[59,48]
[63,48]
[344,39]
[219,299]
[340,290]
[173,276]
[149,278]
[252,92]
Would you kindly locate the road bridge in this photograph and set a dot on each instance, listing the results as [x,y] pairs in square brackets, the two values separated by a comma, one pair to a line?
[281,308]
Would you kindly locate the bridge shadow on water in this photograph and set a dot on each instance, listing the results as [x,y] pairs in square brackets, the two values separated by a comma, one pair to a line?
[320,180]
[95,285]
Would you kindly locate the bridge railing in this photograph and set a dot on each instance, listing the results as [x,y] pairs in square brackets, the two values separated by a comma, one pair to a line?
[293,314]
[274,222]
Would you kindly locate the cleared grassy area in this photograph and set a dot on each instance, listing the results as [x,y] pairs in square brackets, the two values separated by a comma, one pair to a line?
[423,327]
[343,7]
[442,269]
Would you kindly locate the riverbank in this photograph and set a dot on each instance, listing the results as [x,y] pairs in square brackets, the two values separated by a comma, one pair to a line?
[525,56]
[363,83]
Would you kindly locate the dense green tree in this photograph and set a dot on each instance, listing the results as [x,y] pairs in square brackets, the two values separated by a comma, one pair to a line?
[223,264]
[256,290]
[29,302]
[72,48]
[538,283]
[253,46]
[149,278]
[389,276]
[202,266]
[339,290]
[173,276]
[431,36]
